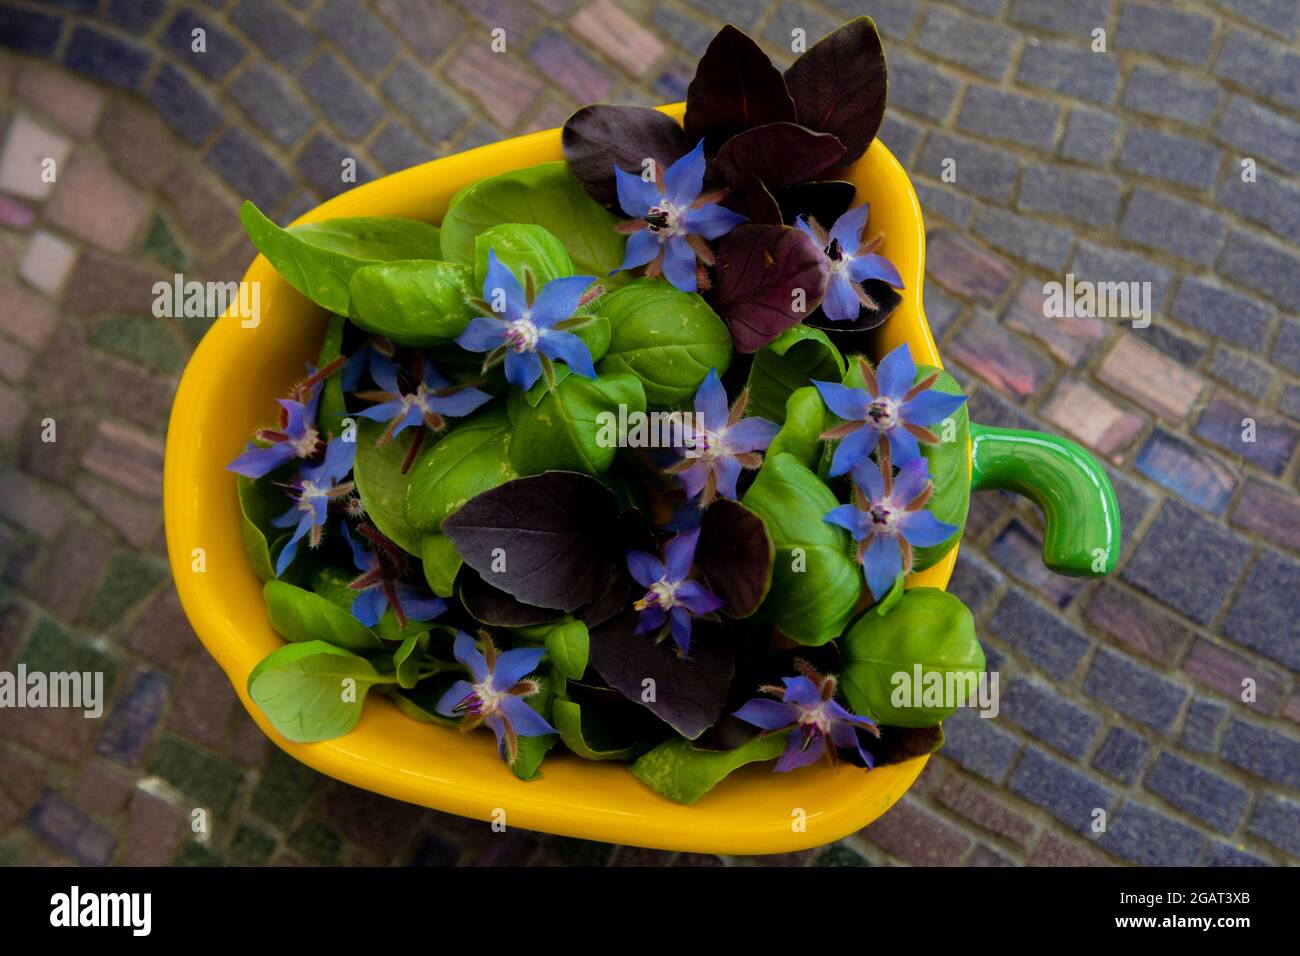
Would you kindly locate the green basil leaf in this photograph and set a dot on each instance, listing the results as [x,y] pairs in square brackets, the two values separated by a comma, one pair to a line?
[928,631]
[312,691]
[583,738]
[418,703]
[469,460]
[441,564]
[949,465]
[667,338]
[331,583]
[520,247]
[332,408]
[567,645]
[319,259]
[533,749]
[259,502]
[406,659]
[381,484]
[568,429]
[815,581]
[800,436]
[301,615]
[683,773]
[789,362]
[546,195]
[416,302]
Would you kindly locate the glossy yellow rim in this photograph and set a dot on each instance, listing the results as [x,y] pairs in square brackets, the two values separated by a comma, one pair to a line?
[228,389]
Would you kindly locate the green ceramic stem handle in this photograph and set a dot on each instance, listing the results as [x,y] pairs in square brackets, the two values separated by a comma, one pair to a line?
[1069,486]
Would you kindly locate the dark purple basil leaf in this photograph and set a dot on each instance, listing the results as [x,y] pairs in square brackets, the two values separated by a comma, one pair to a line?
[897,744]
[596,137]
[735,88]
[759,270]
[688,694]
[824,201]
[839,85]
[632,534]
[886,297]
[780,154]
[492,606]
[556,534]
[734,555]
[751,199]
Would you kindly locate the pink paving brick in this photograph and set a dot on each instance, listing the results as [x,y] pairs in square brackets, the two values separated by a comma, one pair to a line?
[13,411]
[47,261]
[95,204]
[137,141]
[984,810]
[516,17]
[29,505]
[570,68]
[992,353]
[503,88]
[15,214]
[1137,623]
[613,32]
[1151,378]
[1052,850]
[917,837]
[1070,340]
[136,521]
[1271,512]
[74,104]
[23,161]
[15,360]
[1225,671]
[131,461]
[203,703]
[1093,419]
[966,269]
[26,315]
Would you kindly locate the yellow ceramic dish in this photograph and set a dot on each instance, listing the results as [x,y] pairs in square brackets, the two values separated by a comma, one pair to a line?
[226,391]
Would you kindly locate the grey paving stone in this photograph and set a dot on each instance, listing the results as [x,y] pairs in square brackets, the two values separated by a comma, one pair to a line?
[397,147]
[893,18]
[1209,559]
[1045,714]
[691,35]
[183,105]
[136,15]
[1164,31]
[944,202]
[1289,403]
[901,137]
[789,16]
[980,170]
[1089,198]
[433,110]
[1262,751]
[1261,266]
[1176,159]
[1263,616]
[1077,18]
[221,51]
[322,163]
[1182,228]
[973,579]
[29,31]
[920,88]
[1134,690]
[1090,136]
[359,34]
[1263,66]
[1160,92]
[1201,726]
[107,57]
[1122,755]
[743,13]
[1000,114]
[1099,263]
[975,743]
[1242,372]
[1221,854]
[1073,71]
[1286,351]
[1149,838]
[1261,133]
[1198,791]
[340,96]
[1065,793]
[1033,240]
[1277,820]
[272,104]
[279,34]
[1268,201]
[978,45]
[249,170]
[1222,312]
[1041,636]
[1280,16]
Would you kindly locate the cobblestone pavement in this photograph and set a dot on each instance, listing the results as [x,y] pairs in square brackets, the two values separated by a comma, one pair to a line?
[1118,165]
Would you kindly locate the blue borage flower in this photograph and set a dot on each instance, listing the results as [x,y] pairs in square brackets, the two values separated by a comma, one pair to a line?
[671,222]
[495,693]
[887,520]
[671,597]
[726,443]
[359,362]
[851,261]
[296,437]
[527,328]
[380,583]
[806,705]
[314,489]
[891,411]
[433,401]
